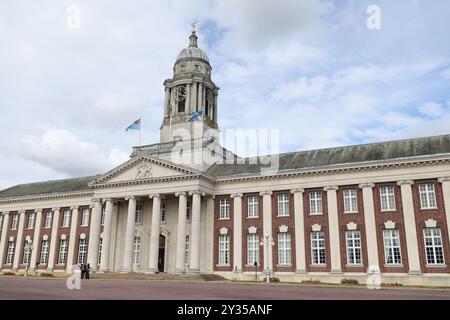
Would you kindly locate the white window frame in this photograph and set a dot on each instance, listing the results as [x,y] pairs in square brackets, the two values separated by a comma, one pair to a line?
[14,221]
[136,258]
[318,253]
[82,251]
[31,220]
[436,247]
[224,250]
[252,249]
[284,249]
[252,207]
[66,219]
[10,252]
[85,215]
[48,219]
[138,214]
[283,205]
[44,252]
[315,203]
[350,200]
[427,195]
[392,247]
[62,255]
[353,244]
[387,198]
[224,208]
[162,212]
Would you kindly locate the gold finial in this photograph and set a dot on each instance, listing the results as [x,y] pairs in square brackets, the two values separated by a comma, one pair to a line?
[194,24]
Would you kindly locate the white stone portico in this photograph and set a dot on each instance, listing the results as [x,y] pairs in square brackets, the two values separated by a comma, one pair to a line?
[181,206]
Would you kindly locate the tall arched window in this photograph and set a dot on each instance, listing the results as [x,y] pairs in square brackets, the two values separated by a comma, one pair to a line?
[180,98]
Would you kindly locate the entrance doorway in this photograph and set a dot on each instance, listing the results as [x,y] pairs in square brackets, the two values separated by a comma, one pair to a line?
[162,253]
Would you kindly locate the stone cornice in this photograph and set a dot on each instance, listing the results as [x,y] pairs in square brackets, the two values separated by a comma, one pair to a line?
[50,196]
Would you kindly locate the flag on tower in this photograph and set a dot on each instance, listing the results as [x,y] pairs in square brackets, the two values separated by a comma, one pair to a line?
[135,125]
[195,116]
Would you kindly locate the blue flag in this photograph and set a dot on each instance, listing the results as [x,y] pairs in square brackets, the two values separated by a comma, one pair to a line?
[195,116]
[134,126]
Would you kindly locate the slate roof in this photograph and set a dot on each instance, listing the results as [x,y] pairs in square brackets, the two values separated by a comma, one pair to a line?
[390,150]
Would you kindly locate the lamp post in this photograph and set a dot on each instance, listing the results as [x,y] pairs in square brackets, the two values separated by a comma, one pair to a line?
[267,242]
[29,248]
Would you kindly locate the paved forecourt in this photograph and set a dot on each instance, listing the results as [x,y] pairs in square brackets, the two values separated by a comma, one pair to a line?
[18,288]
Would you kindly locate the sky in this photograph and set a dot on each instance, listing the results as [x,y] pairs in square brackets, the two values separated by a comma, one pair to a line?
[310,68]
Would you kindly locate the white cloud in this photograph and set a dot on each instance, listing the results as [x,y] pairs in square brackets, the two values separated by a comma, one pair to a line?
[431,109]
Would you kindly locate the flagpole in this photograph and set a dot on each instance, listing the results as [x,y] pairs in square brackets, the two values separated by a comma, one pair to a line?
[140,128]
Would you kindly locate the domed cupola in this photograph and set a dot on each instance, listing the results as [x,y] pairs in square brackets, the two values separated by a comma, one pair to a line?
[192,51]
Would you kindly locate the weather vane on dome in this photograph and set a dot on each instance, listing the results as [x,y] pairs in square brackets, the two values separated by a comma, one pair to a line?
[194,24]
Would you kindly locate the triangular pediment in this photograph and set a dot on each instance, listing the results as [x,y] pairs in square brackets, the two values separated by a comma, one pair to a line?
[144,168]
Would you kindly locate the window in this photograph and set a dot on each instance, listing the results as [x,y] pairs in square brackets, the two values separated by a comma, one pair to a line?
[48,219]
[350,201]
[318,248]
[353,239]
[62,251]
[252,249]
[392,253]
[10,253]
[224,249]
[252,207]
[26,253]
[315,202]
[186,250]
[15,221]
[102,222]
[44,252]
[162,212]
[31,218]
[284,248]
[66,219]
[427,196]
[100,243]
[387,198]
[188,210]
[283,205]
[137,250]
[85,217]
[224,206]
[180,97]
[433,246]
[138,215]
[82,249]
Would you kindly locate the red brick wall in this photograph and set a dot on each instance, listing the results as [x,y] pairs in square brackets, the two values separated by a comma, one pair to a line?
[323,221]
[276,223]
[10,233]
[438,214]
[344,219]
[396,216]
[218,224]
[255,222]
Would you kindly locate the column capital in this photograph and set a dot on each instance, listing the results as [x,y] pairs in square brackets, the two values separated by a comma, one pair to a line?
[127,198]
[38,210]
[236,195]
[21,212]
[331,188]
[181,193]
[444,179]
[5,213]
[106,200]
[96,200]
[191,193]
[298,190]
[91,206]
[405,182]
[74,208]
[265,193]
[366,185]
[56,209]
[154,195]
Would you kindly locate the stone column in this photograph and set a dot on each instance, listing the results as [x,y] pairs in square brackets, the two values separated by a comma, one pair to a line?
[166,102]
[129,235]
[267,227]
[371,227]
[333,227]
[446,194]
[19,241]
[194,97]
[154,234]
[194,265]
[300,258]
[106,238]
[36,238]
[94,234]
[181,233]
[237,231]
[200,96]
[209,236]
[187,106]
[214,114]
[53,239]
[3,239]
[72,239]
[410,226]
